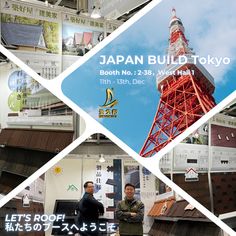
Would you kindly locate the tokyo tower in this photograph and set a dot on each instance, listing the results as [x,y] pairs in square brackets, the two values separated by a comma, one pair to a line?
[186,92]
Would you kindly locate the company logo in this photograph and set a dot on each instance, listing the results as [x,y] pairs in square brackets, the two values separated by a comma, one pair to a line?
[57,170]
[191,175]
[72,188]
[106,110]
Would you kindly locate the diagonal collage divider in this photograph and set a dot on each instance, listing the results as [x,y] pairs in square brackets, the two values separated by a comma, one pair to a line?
[152,164]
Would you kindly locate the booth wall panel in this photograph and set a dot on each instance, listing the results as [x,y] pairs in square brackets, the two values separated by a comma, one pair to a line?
[9,181]
[57,141]
[9,208]
[34,208]
[39,140]
[5,135]
[223,132]
[20,138]
[184,228]
[161,228]
[42,140]
[197,189]
[224,192]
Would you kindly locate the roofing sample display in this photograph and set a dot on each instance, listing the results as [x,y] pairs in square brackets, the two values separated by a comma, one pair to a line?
[160,207]
[41,140]
[22,34]
[199,189]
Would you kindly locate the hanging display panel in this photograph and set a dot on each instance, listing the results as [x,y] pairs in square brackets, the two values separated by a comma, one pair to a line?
[32,34]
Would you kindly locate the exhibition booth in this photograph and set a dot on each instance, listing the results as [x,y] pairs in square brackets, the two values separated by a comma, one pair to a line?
[50,37]
[110,168]
[204,165]
[35,126]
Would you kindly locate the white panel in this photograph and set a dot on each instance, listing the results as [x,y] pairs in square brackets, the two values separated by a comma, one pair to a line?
[148,195]
[68,60]
[48,65]
[190,155]
[35,191]
[165,163]
[223,120]
[54,121]
[58,185]
[223,158]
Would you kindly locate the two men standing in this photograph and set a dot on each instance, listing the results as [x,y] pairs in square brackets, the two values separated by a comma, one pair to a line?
[129,212]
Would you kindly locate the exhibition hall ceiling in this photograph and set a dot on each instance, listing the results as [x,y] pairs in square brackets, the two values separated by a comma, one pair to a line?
[109,9]
[230,110]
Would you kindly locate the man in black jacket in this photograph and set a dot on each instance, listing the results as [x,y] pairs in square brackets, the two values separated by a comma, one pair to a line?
[89,210]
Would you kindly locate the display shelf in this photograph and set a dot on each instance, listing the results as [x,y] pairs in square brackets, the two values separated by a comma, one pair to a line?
[50,121]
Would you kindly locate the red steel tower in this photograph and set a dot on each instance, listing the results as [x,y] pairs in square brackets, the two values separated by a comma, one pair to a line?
[186,89]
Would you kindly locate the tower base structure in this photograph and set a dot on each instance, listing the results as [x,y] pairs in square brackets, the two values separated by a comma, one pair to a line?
[185,97]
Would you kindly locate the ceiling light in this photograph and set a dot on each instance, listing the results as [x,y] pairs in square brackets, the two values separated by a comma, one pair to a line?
[96,13]
[102,160]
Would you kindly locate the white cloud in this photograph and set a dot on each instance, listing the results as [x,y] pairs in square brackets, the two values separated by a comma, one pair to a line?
[209,25]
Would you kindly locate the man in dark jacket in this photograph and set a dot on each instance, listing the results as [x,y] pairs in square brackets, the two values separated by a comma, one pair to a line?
[89,210]
[130,213]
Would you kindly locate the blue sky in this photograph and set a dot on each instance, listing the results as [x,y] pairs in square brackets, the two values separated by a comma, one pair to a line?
[211,30]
